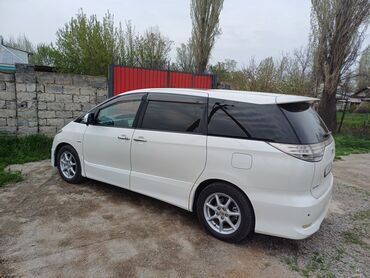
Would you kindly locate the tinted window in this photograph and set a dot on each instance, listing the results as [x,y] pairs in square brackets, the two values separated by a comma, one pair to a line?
[121,113]
[246,120]
[173,116]
[306,122]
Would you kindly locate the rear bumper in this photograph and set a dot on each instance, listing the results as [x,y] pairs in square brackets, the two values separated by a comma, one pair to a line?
[290,216]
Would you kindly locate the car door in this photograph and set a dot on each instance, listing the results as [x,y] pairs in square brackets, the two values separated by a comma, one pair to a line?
[168,150]
[107,142]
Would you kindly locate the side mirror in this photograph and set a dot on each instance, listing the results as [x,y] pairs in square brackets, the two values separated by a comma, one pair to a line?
[88,118]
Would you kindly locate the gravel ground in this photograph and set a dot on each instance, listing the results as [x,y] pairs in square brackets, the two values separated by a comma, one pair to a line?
[51,228]
[340,248]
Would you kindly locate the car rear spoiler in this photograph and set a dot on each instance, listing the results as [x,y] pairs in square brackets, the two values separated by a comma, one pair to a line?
[292,99]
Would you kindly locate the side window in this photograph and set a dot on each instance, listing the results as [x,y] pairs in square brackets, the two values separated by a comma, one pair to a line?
[223,121]
[121,113]
[246,120]
[174,116]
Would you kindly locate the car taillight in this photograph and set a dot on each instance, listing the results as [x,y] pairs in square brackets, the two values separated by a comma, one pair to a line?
[308,152]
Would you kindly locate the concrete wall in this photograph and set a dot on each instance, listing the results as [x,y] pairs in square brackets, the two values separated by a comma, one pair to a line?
[42,102]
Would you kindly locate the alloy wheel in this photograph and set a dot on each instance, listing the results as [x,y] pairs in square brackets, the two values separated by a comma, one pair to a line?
[222,213]
[68,165]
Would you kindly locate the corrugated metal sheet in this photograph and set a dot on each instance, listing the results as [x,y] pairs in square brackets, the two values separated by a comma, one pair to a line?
[181,80]
[203,81]
[124,79]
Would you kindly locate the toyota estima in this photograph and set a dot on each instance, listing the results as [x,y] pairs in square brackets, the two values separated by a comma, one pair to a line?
[243,161]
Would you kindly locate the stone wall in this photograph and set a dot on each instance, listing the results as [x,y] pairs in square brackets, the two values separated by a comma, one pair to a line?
[42,102]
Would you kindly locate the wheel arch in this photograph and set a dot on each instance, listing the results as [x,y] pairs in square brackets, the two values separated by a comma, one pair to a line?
[57,149]
[207,182]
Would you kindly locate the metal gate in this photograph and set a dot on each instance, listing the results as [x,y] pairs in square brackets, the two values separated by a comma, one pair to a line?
[122,79]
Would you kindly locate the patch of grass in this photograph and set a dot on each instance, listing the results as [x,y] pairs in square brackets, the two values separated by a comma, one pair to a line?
[340,253]
[293,263]
[316,264]
[353,237]
[362,215]
[18,150]
[360,190]
[346,144]
[358,123]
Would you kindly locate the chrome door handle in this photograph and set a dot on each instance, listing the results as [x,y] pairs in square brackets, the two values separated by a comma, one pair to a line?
[123,137]
[140,139]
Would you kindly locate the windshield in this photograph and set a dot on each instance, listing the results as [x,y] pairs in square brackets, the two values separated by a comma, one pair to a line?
[307,124]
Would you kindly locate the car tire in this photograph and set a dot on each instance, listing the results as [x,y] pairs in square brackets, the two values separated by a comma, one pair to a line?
[69,165]
[225,212]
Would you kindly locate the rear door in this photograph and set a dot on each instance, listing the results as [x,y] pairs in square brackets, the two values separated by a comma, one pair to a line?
[107,142]
[168,151]
[311,130]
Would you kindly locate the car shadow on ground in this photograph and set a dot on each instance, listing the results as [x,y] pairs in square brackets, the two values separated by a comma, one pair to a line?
[117,194]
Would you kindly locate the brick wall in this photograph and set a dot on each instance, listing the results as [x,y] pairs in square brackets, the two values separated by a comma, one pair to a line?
[42,102]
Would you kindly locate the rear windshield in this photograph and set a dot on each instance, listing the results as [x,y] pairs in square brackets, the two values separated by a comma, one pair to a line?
[307,124]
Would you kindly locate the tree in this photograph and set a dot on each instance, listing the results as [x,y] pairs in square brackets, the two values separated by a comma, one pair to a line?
[338,28]
[363,75]
[224,70]
[127,45]
[44,55]
[153,49]
[291,74]
[205,19]
[185,57]
[86,45]
[21,42]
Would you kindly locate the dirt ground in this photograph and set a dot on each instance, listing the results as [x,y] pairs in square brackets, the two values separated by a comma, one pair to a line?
[354,170]
[50,228]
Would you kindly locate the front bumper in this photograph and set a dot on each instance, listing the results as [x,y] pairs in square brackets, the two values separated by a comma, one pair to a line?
[294,216]
[52,157]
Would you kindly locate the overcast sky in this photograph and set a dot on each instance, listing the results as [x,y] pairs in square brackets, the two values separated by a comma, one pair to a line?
[249,27]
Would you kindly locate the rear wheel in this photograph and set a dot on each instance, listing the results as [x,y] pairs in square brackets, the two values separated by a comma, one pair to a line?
[69,165]
[225,212]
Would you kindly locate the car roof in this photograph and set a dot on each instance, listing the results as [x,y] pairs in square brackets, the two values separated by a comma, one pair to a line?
[233,95]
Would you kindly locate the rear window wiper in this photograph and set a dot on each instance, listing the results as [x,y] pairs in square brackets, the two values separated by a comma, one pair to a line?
[327,134]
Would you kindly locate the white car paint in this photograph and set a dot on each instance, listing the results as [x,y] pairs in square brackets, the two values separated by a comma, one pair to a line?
[289,196]
[106,156]
[167,165]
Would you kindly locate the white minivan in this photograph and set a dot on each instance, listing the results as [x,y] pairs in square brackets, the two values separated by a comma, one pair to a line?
[243,161]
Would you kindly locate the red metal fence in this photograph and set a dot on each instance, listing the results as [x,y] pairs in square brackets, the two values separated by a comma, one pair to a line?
[123,79]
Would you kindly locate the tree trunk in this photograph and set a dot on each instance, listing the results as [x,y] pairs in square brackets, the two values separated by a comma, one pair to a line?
[327,108]
[202,67]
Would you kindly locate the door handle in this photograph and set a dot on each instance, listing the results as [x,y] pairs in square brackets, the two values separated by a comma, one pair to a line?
[123,137]
[140,139]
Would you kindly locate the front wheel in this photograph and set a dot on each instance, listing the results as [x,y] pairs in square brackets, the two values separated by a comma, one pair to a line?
[225,212]
[69,165]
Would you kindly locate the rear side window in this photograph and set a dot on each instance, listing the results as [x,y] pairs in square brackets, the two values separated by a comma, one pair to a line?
[306,122]
[250,121]
[173,116]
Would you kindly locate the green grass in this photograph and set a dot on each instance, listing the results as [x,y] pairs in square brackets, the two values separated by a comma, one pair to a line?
[355,237]
[355,134]
[315,264]
[362,215]
[17,150]
[355,123]
[346,144]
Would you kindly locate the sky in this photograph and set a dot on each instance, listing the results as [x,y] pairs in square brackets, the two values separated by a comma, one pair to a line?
[250,28]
